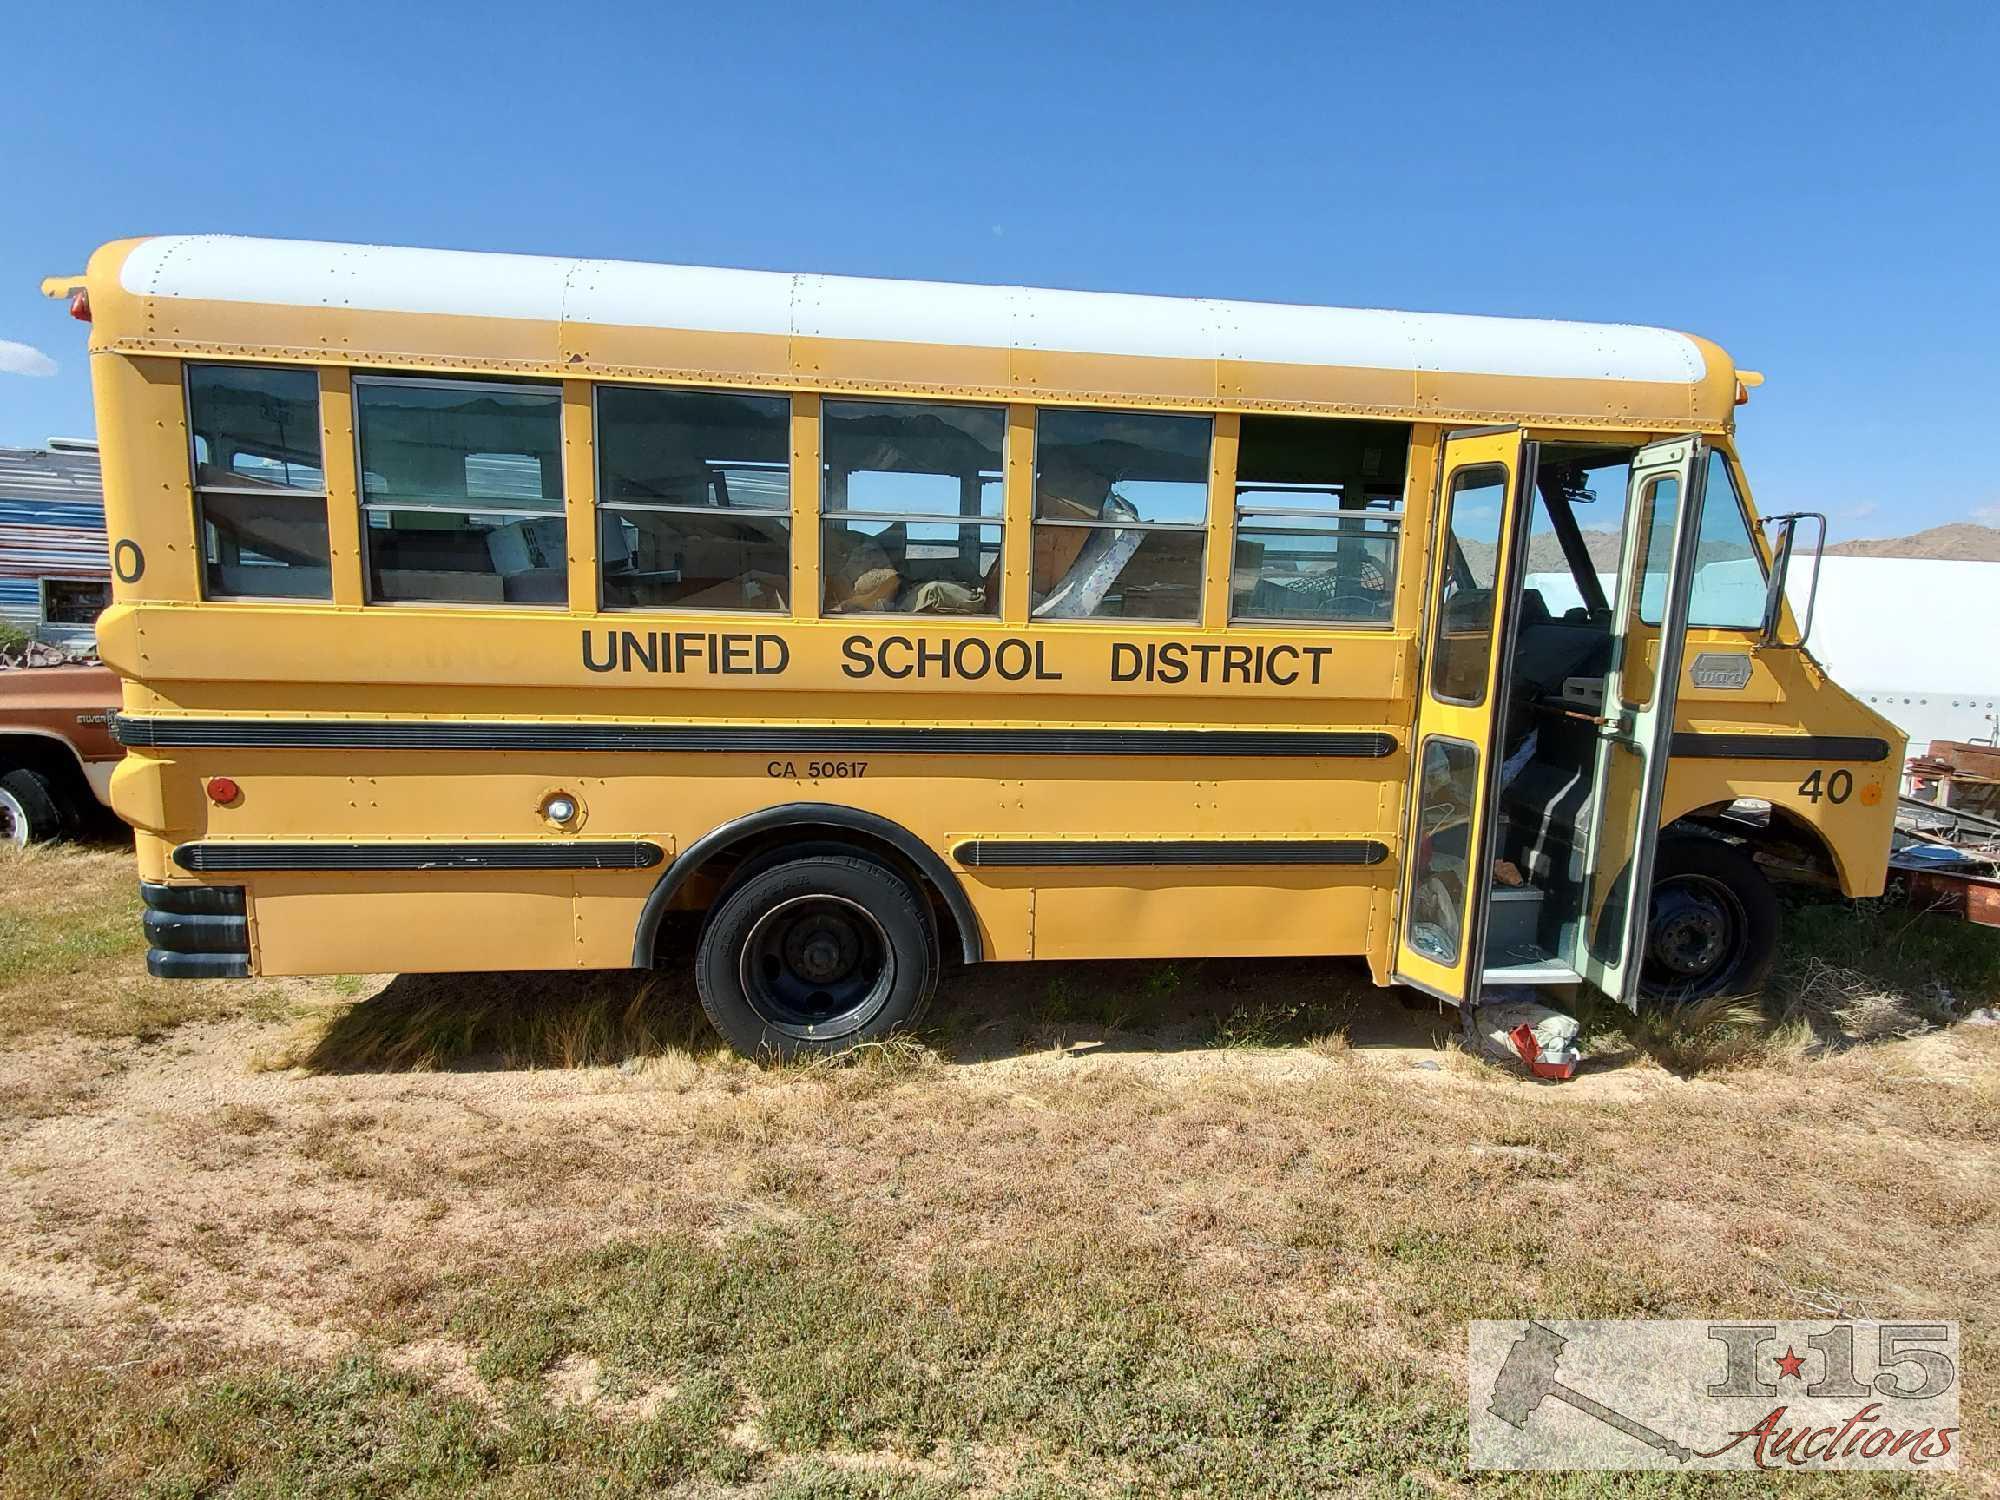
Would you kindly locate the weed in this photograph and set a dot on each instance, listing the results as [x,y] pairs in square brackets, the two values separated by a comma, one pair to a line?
[428,1021]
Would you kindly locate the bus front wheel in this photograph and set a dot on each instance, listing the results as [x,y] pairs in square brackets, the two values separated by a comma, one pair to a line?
[1713,926]
[815,955]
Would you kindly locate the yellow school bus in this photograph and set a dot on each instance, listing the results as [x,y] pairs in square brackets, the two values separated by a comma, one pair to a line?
[483,611]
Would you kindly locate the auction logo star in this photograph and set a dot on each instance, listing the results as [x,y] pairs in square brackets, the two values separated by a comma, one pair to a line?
[1791,1364]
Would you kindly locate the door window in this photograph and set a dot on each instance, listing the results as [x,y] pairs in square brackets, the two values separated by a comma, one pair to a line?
[1659,513]
[1462,632]
[1447,784]
[1728,587]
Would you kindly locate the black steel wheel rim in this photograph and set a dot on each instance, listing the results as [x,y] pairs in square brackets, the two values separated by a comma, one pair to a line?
[817,967]
[1697,934]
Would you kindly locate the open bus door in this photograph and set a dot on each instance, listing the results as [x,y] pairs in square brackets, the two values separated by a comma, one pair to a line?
[1485,478]
[1478,546]
[1635,732]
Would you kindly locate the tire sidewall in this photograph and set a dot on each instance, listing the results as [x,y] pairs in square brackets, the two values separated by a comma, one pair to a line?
[1730,866]
[886,896]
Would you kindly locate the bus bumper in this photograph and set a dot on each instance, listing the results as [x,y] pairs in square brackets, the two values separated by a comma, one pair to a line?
[196,931]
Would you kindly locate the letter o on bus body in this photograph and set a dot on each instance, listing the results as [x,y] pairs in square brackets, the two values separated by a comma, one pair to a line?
[965,668]
[1016,673]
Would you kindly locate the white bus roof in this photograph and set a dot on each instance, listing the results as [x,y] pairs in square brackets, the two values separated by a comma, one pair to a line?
[222,295]
[384,278]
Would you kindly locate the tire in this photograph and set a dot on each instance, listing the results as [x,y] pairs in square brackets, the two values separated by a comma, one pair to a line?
[29,811]
[1713,925]
[815,955]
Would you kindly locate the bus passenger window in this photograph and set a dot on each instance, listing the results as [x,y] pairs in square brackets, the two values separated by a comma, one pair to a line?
[1319,513]
[1121,509]
[462,491]
[260,492]
[694,499]
[910,508]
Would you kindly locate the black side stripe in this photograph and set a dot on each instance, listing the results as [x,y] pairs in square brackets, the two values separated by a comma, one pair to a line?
[779,739]
[1016,852]
[537,854]
[1696,746]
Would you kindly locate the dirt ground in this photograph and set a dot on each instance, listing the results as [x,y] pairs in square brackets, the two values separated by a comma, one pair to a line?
[1108,1229]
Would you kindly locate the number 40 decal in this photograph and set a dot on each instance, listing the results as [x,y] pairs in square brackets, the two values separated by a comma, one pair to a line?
[1836,788]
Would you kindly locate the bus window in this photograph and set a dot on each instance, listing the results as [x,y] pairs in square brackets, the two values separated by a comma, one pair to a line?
[1659,513]
[461,491]
[1318,514]
[260,492]
[1728,588]
[1462,645]
[694,499]
[1121,508]
[910,506]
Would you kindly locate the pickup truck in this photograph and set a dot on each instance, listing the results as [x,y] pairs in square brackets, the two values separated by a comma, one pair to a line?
[56,750]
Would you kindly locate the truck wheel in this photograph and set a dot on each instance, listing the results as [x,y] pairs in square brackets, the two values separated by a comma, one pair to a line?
[29,812]
[1713,927]
[814,956]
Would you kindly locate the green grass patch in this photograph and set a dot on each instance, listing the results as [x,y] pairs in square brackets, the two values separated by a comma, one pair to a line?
[1946,963]
[70,954]
[1102,1359]
[355,1428]
[59,924]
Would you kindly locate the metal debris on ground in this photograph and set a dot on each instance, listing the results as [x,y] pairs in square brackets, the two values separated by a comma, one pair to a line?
[43,654]
[1947,838]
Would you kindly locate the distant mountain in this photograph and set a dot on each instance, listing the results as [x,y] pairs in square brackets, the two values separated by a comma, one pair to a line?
[1961,541]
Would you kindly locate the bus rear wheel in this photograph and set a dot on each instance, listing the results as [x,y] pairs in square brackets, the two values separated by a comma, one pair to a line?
[1713,926]
[814,956]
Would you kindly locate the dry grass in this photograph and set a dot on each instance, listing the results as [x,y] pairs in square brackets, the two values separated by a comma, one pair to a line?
[1108,1230]
[421,1022]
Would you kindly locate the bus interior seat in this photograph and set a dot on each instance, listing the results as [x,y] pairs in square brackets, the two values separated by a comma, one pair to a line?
[536,586]
[1545,804]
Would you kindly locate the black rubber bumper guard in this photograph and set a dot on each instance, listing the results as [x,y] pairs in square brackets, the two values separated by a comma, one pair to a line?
[196,931]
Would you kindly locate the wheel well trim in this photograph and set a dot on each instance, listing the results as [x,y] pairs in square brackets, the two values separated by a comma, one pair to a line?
[806,816]
[43,738]
[1786,822]
[60,752]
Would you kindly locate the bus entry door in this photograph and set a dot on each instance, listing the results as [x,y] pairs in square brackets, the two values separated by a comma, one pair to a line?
[1485,478]
[1635,731]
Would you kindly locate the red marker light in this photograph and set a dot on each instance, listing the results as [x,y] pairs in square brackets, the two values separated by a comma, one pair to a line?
[79,304]
[222,791]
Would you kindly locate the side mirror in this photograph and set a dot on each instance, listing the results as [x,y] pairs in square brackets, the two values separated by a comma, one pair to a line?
[1781,566]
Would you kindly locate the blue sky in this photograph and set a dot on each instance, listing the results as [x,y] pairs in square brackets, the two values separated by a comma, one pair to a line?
[1813,186]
